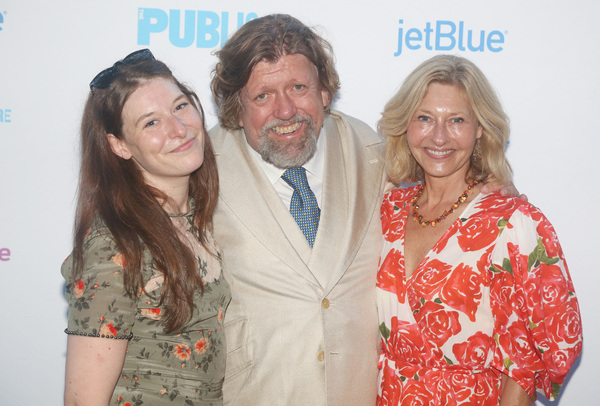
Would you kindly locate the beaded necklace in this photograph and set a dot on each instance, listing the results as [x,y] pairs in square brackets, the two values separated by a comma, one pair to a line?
[415,212]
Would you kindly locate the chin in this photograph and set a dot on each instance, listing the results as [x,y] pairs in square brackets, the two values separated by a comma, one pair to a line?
[193,166]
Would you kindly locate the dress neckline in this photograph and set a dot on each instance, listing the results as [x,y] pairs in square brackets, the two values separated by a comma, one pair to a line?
[465,214]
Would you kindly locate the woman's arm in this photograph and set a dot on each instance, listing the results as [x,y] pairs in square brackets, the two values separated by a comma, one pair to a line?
[93,368]
[512,393]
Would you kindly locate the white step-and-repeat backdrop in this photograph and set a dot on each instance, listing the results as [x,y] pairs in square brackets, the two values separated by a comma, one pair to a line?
[541,56]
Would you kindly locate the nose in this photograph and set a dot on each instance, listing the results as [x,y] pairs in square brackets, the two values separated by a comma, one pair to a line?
[285,108]
[440,134]
[177,128]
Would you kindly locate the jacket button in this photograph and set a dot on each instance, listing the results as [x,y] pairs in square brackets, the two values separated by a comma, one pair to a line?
[321,356]
[325,303]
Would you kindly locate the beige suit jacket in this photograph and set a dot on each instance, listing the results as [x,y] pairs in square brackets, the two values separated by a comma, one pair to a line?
[302,325]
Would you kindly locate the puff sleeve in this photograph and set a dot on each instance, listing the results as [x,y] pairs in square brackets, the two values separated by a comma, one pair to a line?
[98,303]
[537,323]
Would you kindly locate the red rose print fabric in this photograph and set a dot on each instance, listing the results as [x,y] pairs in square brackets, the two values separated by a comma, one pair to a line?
[493,296]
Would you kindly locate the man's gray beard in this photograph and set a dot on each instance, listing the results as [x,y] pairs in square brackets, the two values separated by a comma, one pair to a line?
[289,153]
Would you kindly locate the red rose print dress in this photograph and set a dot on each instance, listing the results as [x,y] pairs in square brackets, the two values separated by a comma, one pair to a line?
[492,297]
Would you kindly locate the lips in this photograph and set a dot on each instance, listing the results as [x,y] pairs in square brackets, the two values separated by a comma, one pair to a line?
[185,146]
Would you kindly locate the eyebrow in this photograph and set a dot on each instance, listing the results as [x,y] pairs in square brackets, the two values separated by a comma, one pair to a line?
[143,117]
[429,111]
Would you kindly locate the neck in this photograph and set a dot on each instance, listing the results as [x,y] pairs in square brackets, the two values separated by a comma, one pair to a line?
[442,190]
[177,205]
[177,197]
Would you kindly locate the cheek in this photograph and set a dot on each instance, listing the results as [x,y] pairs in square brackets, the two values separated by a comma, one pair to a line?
[249,122]
[151,145]
[312,105]
[156,143]
[253,119]
[318,117]
[470,137]
[414,135]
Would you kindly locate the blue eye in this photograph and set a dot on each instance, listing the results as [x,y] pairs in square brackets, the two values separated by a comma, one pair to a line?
[150,123]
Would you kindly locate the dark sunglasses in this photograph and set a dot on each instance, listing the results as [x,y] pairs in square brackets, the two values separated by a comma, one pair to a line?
[108,75]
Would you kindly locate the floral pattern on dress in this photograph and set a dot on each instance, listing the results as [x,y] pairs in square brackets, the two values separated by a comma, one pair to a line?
[182,368]
[493,296]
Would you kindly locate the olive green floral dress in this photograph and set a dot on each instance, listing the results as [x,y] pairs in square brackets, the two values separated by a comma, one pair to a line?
[182,368]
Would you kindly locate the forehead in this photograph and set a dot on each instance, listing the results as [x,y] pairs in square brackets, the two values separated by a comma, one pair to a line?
[288,68]
[157,85]
[152,92]
[445,94]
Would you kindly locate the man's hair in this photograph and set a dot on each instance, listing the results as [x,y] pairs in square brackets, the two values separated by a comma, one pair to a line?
[398,112]
[267,39]
[114,189]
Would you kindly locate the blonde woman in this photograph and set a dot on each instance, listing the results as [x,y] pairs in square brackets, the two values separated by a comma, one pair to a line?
[476,305]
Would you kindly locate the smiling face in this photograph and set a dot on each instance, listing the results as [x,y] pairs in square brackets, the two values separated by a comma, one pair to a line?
[442,132]
[163,134]
[283,110]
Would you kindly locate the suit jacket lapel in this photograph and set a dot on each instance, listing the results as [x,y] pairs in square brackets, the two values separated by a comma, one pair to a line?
[252,198]
[351,191]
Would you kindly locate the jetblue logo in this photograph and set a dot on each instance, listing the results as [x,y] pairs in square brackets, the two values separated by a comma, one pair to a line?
[5,115]
[4,254]
[448,36]
[204,29]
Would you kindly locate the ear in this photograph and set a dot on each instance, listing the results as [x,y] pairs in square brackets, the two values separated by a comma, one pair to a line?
[479,131]
[325,98]
[242,97]
[118,147]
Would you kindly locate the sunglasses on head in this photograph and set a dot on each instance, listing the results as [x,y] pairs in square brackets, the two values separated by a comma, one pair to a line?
[108,75]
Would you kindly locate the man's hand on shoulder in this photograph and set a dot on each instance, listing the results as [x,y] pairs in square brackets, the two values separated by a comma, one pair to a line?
[509,189]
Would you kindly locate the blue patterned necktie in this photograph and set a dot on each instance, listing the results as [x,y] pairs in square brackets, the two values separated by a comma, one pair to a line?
[304,207]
